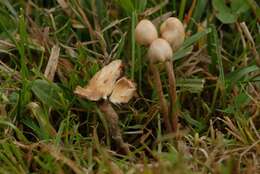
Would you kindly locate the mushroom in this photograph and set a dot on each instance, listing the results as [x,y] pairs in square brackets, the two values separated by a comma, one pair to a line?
[145,32]
[160,52]
[173,31]
[105,87]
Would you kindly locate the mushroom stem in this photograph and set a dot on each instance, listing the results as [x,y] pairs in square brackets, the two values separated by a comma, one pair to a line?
[173,96]
[163,103]
[112,119]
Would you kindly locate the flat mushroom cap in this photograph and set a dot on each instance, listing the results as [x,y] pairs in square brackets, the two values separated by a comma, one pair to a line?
[102,83]
[173,31]
[124,90]
[145,32]
[159,51]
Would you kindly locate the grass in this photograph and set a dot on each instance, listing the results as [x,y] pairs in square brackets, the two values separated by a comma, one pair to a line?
[45,128]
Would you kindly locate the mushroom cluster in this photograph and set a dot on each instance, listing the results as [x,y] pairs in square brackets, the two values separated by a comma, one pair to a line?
[172,35]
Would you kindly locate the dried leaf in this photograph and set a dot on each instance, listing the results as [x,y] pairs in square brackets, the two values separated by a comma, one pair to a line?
[103,82]
[123,91]
[76,24]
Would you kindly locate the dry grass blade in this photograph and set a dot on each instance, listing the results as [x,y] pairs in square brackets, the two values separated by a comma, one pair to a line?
[153,10]
[52,63]
[251,40]
[10,71]
[65,6]
[5,45]
[85,20]
[157,21]
[232,129]
[247,150]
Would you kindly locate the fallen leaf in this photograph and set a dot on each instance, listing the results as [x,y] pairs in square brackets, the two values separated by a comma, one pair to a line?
[103,82]
[123,91]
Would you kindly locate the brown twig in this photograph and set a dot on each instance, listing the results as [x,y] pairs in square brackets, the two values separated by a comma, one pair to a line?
[163,103]
[173,96]
[112,120]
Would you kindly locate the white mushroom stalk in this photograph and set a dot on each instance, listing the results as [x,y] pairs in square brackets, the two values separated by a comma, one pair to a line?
[105,87]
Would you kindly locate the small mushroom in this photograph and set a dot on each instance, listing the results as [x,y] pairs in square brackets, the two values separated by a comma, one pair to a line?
[105,83]
[145,32]
[159,51]
[173,31]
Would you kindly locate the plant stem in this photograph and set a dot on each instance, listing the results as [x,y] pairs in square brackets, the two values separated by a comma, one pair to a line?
[163,103]
[112,119]
[182,9]
[173,96]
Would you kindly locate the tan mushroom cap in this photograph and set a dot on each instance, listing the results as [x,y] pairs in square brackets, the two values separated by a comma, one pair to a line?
[159,51]
[173,31]
[124,90]
[145,32]
[102,83]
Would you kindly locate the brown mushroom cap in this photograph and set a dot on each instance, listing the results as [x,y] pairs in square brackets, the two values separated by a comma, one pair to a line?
[173,31]
[145,32]
[159,51]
